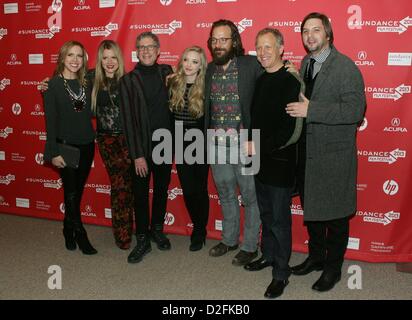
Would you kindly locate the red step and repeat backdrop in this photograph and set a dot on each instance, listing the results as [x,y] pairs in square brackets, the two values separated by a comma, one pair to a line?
[375,34]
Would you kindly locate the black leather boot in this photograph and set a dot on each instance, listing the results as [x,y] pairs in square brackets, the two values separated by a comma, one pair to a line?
[157,235]
[68,233]
[143,247]
[80,235]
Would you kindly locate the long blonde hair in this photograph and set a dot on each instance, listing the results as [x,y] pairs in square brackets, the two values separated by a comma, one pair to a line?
[196,93]
[81,74]
[100,79]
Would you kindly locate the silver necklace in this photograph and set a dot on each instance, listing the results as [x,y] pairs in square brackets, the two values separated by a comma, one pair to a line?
[78,100]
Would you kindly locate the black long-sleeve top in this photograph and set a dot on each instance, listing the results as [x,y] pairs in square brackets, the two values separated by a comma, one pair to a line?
[62,121]
[272,93]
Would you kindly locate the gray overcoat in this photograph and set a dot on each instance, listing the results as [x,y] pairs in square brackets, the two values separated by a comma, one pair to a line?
[336,107]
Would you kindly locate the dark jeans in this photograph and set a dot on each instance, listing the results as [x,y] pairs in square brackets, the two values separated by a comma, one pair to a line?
[73,184]
[328,241]
[274,206]
[161,180]
[193,179]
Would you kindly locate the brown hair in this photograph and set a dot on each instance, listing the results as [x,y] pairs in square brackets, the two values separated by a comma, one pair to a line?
[81,74]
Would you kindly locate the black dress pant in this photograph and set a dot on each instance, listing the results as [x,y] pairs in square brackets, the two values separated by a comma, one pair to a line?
[193,179]
[161,180]
[328,241]
[73,184]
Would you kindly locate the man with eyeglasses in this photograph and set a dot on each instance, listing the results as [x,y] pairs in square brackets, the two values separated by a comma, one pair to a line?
[229,86]
[144,108]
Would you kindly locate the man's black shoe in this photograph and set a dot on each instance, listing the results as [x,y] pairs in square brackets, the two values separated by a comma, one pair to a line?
[143,247]
[161,240]
[276,288]
[306,267]
[326,281]
[257,265]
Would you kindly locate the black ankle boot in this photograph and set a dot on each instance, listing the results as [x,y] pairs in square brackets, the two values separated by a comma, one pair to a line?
[69,241]
[157,235]
[142,248]
[197,243]
[80,235]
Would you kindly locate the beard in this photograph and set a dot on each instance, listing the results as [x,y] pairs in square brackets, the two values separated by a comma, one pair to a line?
[224,58]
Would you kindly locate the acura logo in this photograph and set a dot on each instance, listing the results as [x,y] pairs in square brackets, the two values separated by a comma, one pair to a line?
[396,122]
[13,57]
[362,55]
[82,2]
[166,2]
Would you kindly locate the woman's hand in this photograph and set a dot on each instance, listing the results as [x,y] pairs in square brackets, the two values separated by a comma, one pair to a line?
[58,162]
[44,85]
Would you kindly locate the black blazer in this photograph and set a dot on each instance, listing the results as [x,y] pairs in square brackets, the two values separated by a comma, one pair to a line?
[134,113]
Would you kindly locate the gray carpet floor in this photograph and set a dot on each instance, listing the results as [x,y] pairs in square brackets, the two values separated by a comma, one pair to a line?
[29,246]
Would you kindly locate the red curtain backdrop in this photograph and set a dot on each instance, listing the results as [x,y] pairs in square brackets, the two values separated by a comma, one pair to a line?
[375,34]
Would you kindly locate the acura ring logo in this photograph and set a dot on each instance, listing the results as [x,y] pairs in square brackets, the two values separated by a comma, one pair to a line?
[396,122]
[362,55]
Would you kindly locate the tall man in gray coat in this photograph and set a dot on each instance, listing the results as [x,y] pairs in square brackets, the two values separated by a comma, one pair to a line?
[333,107]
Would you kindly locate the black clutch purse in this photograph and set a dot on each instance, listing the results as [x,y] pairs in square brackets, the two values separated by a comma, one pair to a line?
[70,154]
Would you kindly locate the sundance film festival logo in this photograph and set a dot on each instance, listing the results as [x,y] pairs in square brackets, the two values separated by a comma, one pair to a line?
[389,93]
[388,157]
[390,187]
[395,126]
[286,24]
[13,60]
[355,21]
[243,24]
[7,179]
[363,61]
[172,27]
[54,22]
[172,194]
[16,109]
[47,183]
[40,134]
[98,31]
[99,188]
[81,6]
[4,133]
[3,32]
[378,217]
[3,83]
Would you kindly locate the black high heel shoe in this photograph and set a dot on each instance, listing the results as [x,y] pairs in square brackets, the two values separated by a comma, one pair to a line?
[197,244]
[83,242]
[69,241]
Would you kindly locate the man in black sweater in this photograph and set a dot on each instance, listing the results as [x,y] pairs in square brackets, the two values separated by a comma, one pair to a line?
[144,109]
[276,177]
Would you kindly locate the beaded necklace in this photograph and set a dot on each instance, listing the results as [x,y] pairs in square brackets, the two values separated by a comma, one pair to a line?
[78,100]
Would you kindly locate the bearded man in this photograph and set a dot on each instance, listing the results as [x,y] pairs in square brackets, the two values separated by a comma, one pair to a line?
[229,86]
